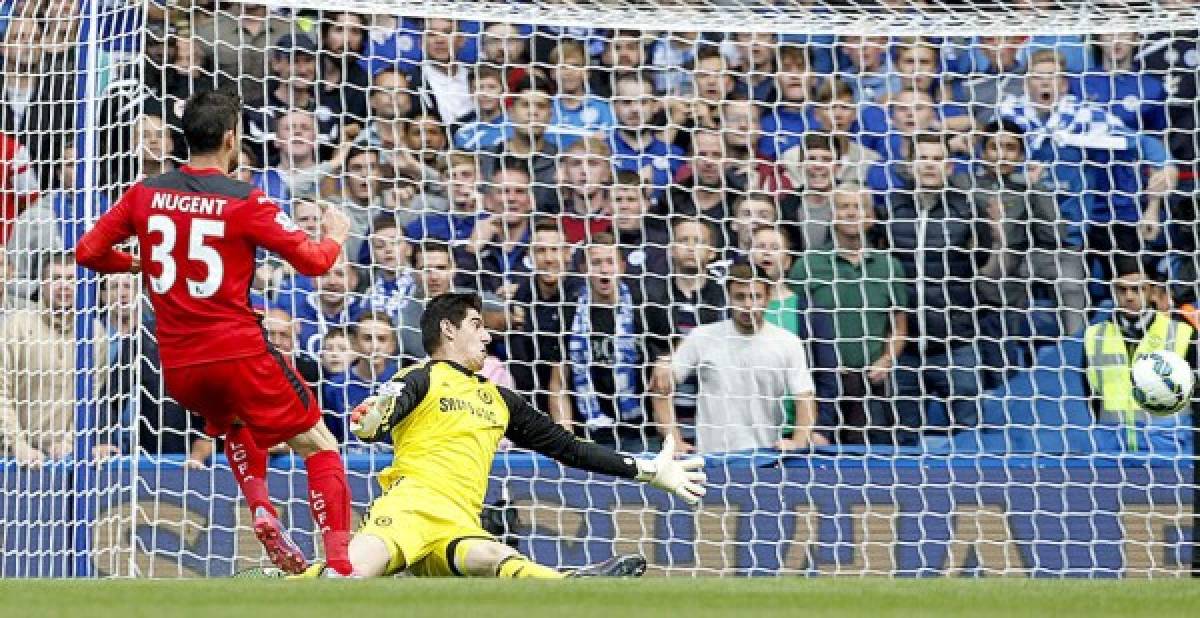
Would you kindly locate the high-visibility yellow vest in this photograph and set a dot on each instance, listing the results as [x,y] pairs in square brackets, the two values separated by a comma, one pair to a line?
[1110,365]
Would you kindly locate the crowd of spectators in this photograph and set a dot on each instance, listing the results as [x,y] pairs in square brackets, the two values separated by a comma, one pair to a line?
[745,241]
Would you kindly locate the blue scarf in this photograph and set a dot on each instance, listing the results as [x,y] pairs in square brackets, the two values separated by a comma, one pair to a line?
[579,349]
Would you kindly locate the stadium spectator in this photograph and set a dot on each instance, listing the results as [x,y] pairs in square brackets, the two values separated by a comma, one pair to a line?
[393,44]
[414,165]
[157,145]
[1135,327]
[695,292]
[12,294]
[713,84]
[336,300]
[750,211]
[935,234]
[239,38]
[634,142]
[362,196]
[436,274]
[1174,56]
[37,390]
[747,368]
[389,99]
[119,306]
[863,289]
[445,82]
[752,60]
[576,113]
[585,177]
[499,245]
[505,46]
[695,296]
[390,285]
[18,183]
[343,41]
[298,173]
[456,223]
[850,125]
[280,329]
[990,72]
[1137,98]
[487,124]
[433,263]
[528,143]
[37,97]
[536,347]
[670,57]
[1093,153]
[714,183]
[624,55]
[337,353]
[292,85]
[613,333]
[791,116]
[745,145]
[39,221]
[809,207]
[1033,248]
[642,237]
[863,62]
[373,339]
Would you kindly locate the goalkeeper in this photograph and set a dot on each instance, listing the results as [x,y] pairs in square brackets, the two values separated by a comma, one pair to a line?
[445,422]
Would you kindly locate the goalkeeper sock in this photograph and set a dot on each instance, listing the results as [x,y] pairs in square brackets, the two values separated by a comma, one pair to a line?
[329,498]
[249,464]
[522,567]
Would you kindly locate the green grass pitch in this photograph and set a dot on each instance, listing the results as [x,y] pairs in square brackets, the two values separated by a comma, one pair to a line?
[693,598]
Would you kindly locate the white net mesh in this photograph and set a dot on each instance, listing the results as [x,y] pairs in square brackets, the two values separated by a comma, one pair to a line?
[968,218]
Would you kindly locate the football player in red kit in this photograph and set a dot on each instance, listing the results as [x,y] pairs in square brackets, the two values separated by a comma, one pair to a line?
[197,231]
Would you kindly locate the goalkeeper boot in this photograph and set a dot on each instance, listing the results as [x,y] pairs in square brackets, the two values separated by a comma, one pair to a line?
[283,552]
[627,565]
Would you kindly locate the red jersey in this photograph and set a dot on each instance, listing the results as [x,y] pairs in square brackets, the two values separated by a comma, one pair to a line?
[18,183]
[197,232]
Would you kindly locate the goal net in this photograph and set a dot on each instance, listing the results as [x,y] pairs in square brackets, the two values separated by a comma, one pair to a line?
[885,264]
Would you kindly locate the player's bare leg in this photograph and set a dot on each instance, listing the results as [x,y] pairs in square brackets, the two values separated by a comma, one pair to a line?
[370,556]
[249,464]
[328,492]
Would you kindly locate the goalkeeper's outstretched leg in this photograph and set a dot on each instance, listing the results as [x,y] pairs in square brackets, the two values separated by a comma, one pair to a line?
[371,556]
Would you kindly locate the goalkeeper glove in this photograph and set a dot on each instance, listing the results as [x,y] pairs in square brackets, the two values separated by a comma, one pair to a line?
[366,418]
[684,478]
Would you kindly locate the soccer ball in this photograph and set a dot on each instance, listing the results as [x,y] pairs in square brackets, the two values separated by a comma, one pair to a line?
[1162,382]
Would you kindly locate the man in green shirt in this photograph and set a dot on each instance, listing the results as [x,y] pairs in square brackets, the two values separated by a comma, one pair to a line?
[863,289]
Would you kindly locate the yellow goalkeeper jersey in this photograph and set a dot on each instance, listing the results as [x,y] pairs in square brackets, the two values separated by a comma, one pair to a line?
[446,422]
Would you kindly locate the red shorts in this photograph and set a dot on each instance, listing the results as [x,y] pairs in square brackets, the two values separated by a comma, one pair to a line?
[262,392]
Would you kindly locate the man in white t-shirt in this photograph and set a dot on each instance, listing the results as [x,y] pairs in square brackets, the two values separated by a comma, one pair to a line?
[747,368]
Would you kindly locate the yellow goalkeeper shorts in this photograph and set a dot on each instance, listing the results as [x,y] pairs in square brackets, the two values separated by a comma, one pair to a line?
[422,530]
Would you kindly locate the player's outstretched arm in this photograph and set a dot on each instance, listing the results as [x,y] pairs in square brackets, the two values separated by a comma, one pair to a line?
[269,227]
[530,429]
[95,249]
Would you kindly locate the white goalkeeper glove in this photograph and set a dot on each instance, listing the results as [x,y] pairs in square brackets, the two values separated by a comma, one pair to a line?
[365,418]
[683,477]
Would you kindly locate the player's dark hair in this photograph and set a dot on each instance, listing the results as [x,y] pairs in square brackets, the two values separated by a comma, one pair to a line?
[207,117]
[451,306]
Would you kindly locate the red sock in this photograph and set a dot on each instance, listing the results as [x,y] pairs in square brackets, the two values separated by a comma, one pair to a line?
[249,465]
[329,497]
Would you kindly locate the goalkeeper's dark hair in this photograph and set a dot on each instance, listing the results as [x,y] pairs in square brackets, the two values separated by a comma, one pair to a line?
[452,307]
[207,117]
